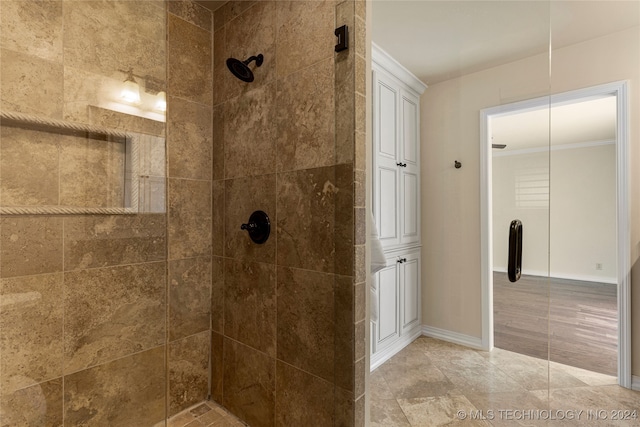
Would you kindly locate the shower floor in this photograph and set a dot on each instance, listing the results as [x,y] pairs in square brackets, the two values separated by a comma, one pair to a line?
[207,413]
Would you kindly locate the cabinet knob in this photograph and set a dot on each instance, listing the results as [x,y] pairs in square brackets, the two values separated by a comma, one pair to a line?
[402,165]
[401,260]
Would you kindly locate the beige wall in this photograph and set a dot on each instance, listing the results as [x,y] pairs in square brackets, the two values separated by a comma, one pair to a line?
[451,197]
[582,219]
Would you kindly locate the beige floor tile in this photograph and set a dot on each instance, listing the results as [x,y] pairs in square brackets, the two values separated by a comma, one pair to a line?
[387,413]
[440,411]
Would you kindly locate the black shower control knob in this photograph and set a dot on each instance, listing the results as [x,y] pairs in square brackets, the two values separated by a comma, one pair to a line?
[259,227]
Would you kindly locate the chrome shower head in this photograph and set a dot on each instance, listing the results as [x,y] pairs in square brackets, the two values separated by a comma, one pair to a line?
[241,70]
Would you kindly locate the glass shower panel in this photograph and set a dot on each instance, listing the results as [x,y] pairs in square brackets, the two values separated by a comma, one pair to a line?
[82,213]
[595,61]
[486,64]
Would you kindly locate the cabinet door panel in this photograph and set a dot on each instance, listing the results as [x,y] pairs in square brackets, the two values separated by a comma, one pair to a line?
[410,291]
[386,205]
[388,304]
[410,138]
[386,117]
[410,208]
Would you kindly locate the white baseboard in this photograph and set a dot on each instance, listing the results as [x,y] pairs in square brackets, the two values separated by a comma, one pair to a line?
[635,383]
[387,353]
[453,337]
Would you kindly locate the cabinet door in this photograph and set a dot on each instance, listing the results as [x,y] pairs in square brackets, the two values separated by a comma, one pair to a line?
[409,175]
[388,328]
[386,134]
[409,277]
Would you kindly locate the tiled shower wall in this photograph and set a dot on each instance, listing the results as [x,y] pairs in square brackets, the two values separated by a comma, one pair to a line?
[288,315]
[104,319]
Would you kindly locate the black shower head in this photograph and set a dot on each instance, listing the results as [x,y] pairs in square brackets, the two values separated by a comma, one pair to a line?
[241,70]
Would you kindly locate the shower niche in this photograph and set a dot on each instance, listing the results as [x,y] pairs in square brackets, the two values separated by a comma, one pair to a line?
[57,167]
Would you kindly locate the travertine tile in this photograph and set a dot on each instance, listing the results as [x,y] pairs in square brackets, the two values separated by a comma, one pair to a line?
[217,366]
[189,148]
[189,218]
[221,74]
[378,387]
[302,399]
[387,413]
[312,21]
[189,45]
[28,167]
[360,188]
[249,384]
[360,37]
[188,371]
[253,32]
[217,294]
[189,296]
[306,218]
[218,220]
[229,11]
[492,403]
[91,172]
[112,312]
[439,411]
[126,392]
[360,265]
[250,133]
[37,405]
[34,28]
[344,408]
[192,12]
[104,37]
[30,245]
[30,84]
[344,332]
[344,220]
[306,119]
[361,75]
[30,330]
[250,304]
[104,240]
[243,196]
[306,333]
[405,381]
[218,141]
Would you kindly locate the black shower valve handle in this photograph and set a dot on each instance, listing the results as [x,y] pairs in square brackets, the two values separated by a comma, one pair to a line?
[249,226]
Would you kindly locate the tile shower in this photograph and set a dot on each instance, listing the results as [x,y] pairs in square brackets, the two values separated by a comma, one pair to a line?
[114,317]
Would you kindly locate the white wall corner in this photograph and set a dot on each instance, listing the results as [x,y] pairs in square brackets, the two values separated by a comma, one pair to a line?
[635,383]
[452,337]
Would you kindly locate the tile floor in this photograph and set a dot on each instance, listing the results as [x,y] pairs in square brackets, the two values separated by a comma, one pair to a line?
[208,414]
[429,381]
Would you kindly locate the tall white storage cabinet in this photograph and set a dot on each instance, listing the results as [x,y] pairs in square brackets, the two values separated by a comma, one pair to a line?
[396,205]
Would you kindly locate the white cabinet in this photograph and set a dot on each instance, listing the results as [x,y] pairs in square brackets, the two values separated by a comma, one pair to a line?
[396,139]
[397,300]
[396,206]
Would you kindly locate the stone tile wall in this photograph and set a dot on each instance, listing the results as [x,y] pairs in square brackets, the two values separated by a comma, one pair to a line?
[288,315]
[105,318]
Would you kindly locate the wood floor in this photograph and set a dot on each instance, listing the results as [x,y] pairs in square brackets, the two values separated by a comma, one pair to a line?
[579,317]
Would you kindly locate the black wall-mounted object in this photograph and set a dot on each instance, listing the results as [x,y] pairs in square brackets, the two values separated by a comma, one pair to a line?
[457,164]
[259,227]
[241,69]
[343,38]
[514,269]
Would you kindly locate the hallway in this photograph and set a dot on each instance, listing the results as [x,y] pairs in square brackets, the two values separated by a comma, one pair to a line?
[428,382]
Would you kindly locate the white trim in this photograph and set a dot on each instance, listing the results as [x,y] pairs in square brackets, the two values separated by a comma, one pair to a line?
[382,355]
[453,337]
[573,146]
[389,64]
[635,383]
[620,90]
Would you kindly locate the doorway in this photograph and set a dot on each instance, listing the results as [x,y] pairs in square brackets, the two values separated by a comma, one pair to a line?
[573,204]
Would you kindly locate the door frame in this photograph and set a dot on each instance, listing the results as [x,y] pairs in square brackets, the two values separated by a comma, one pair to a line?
[618,89]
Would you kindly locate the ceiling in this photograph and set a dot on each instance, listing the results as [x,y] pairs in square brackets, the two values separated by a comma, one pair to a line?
[593,120]
[439,40]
